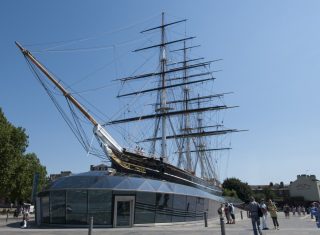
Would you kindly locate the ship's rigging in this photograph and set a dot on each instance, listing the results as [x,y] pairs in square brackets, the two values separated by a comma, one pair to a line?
[191,135]
[180,116]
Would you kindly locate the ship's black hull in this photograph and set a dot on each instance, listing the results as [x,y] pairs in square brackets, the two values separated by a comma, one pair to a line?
[135,163]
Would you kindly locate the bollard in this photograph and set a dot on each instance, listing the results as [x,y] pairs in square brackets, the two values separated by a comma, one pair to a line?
[90,226]
[205,219]
[223,230]
[241,215]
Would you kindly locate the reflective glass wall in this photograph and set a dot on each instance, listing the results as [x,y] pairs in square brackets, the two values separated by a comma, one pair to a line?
[76,206]
[100,206]
[58,207]
[45,208]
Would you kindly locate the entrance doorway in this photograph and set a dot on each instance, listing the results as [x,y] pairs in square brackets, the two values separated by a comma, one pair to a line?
[123,211]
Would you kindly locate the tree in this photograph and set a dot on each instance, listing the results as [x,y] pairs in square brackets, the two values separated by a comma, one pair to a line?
[17,168]
[243,190]
[268,193]
[13,142]
[229,193]
[27,166]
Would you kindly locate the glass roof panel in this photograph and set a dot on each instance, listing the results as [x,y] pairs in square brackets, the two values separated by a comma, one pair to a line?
[101,180]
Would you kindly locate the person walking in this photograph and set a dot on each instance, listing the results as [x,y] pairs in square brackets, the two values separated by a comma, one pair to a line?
[221,210]
[233,217]
[286,210]
[299,210]
[7,215]
[264,209]
[273,213]
[227,213]
[255,219]
[316,213]
[24,223]
[312,208]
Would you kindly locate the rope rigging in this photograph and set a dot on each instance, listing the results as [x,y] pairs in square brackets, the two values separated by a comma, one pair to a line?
[74,125]
[77,40]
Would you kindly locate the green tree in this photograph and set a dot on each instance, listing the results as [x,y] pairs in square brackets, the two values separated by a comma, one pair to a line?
[229,193]
[17,168]
[26,168]
[13,142]
[268,193]
[243,190]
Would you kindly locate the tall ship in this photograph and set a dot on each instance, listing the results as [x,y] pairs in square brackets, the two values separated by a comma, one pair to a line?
[179,125]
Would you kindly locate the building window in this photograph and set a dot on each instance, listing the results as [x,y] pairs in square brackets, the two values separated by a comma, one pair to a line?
[45,209]
[100,206]
[179,208]
[77,201]
[163,208]
[58,209]
[145,208]
[191,208]
[199,208]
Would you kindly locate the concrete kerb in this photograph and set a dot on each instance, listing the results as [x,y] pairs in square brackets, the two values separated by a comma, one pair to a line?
[213,222]
[294,226]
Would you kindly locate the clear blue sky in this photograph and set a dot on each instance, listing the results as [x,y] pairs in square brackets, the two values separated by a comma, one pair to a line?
[271,60]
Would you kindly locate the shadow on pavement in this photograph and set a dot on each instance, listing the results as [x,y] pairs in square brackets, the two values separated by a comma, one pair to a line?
[14,224]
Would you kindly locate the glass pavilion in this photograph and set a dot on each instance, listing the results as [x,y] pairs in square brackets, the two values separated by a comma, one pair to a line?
[122,201]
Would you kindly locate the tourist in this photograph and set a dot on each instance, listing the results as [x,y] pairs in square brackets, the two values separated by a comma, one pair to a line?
[299,210]
[313,208]
[303,210]
[221,210]
[227,213]
[286,210]
[7,215]
[231,210]
[273,213]
[316,213]
[263,207]
[255,219]
[25,218]
[293,210]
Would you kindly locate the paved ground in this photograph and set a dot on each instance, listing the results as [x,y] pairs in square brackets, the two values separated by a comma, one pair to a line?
[293,226]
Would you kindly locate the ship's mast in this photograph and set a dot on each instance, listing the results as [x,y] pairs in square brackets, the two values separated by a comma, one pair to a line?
[163,108]
[200,145]
[186,107]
